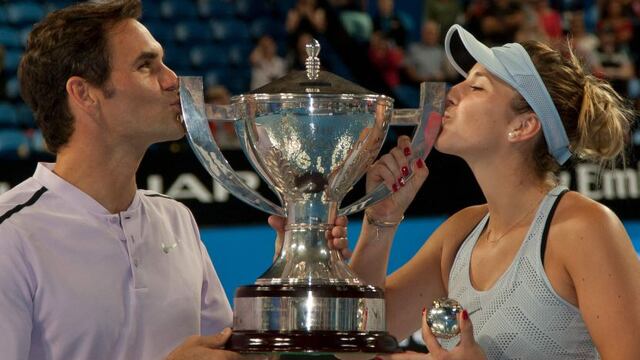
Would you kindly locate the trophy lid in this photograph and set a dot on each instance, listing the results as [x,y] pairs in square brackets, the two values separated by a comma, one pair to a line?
[313,80]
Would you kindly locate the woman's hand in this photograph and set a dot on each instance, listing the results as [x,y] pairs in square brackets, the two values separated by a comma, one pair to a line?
[336,237]
[392,169]
[467,348]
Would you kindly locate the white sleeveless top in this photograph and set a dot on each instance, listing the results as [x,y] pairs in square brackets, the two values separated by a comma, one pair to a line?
[521,316]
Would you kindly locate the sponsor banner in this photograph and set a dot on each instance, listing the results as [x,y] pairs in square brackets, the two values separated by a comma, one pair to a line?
[449,188]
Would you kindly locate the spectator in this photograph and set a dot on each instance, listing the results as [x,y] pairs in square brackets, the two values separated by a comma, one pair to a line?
[223,131]
[613,63]
[426,60]
[266,65]
[298,54]
[305,18]
[584,43]
[614,19]
[474,14]
[386,57]
[549,19]
[501,21]
[443,12]
[391,23]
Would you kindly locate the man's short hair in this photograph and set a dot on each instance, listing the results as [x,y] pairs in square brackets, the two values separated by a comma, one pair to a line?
[68,42]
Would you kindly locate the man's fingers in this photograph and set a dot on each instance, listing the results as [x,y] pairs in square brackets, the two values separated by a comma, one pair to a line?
[340,243]
[341,221]
[216,341]
[277,223]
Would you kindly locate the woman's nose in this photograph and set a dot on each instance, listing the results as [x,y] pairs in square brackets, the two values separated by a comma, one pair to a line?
[453,95]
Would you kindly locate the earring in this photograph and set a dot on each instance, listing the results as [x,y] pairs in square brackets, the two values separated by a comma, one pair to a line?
[512,134]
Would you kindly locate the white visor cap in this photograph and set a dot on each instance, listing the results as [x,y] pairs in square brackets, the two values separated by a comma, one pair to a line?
[512,64]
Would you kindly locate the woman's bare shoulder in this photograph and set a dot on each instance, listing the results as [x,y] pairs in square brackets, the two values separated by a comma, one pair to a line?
[583,224]
[455,230]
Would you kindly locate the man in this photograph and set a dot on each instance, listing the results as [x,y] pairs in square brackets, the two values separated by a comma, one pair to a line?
[91,267]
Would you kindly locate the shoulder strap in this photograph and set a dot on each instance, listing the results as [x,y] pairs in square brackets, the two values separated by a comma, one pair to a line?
[547,224]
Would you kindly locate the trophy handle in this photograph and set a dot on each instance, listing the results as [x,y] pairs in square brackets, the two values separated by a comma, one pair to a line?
[204,146]
[428,120]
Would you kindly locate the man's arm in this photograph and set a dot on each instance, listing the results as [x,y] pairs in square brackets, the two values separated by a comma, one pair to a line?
[17,286]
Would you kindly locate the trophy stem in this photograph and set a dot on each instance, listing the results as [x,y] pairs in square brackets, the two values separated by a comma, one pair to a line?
[305,257]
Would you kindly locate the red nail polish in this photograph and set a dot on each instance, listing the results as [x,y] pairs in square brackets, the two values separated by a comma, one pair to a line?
[424,310]
[407,151]
[394,187]
[465,315]
[420,163]
[401,181]
[405,171]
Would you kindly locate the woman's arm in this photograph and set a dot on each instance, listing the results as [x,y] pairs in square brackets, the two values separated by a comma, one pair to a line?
[605,271]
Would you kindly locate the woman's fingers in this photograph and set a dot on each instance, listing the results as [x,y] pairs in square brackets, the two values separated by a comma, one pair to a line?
[429,339]
[466,329]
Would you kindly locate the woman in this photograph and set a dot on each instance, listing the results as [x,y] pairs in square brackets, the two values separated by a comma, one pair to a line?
[543,273]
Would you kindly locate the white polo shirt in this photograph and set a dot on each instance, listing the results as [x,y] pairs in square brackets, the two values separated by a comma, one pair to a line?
[77,282]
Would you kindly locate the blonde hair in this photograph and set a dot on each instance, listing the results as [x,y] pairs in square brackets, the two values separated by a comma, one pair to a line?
[596,118]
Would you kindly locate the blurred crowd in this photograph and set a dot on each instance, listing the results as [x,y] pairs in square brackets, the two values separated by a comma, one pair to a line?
[604,35]
[383,46]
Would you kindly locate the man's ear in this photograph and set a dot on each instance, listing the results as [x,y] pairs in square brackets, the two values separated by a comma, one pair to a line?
[81,95]
[524,126]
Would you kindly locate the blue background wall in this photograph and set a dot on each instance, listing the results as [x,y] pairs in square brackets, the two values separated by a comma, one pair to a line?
[241,254]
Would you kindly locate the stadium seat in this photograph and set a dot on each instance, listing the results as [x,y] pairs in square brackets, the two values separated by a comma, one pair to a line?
[3,16]
[24,116]
[178,9]
[218,76]
[10,37]
[193,31]
[150,11]
[24,12]
[8,118]
[229,30]
[162,32]
[11,60]
[12,88]
[248,9]
[283,7]
[14,144]
[216,9]
[36,143]
[178,59]
[239,54]
[266,26]
[206,56]
[239,80]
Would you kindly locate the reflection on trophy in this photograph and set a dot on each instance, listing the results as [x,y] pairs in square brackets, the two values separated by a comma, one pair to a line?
[310,135]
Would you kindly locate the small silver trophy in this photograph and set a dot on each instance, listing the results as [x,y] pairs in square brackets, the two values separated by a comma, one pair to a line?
[310,135]
[442,318]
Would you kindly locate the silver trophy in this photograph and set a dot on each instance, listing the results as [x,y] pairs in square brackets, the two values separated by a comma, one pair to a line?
[442,318]
[310,135]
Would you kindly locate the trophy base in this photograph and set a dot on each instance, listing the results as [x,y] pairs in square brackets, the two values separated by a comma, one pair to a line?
[313,343]
[282,321]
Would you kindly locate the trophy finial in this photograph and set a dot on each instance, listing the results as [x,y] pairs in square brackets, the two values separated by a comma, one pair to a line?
[313,62]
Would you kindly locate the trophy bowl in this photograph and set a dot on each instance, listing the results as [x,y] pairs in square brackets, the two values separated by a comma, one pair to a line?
[311,136]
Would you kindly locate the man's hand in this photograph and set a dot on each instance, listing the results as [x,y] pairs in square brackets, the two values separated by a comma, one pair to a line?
[207,348]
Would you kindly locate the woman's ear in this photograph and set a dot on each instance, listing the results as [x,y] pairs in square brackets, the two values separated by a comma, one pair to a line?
[524,127]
